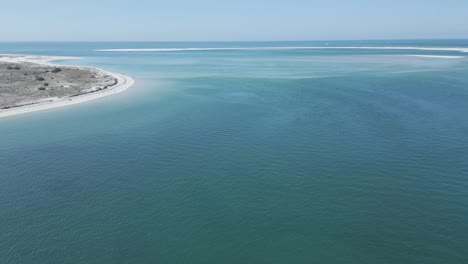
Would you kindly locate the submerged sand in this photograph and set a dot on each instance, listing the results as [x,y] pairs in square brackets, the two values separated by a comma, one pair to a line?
[32,83]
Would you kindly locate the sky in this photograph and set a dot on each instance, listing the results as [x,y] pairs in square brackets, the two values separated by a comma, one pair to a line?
[234,20]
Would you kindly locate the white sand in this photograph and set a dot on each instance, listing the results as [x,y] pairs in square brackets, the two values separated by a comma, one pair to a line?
[436,56]
[282,48]
[123,83]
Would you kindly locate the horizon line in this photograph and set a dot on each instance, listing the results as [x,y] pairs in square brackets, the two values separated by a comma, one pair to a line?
[222,41]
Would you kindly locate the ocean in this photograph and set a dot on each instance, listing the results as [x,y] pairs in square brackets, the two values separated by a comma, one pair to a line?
[245,152]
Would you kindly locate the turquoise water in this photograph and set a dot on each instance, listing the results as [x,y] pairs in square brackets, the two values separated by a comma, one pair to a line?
[244,156]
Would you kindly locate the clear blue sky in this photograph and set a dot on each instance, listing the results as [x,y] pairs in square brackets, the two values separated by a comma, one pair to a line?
[223,20]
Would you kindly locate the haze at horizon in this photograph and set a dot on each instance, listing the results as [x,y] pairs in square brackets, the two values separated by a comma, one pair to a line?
[209,20]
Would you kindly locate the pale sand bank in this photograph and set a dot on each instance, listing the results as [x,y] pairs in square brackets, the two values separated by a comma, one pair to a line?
[465,50]
[122,83]
[436,56]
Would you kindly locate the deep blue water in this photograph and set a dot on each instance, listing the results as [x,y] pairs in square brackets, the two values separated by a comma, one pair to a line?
[245,156]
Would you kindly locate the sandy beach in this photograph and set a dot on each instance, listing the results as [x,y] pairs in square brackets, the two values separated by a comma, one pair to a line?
[461,49]
[120,84]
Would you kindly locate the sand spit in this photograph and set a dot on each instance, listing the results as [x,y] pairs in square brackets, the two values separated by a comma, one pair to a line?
[33,83]
[464,50]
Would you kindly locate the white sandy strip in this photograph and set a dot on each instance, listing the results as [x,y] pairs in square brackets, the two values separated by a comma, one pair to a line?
[123,83]
[282,48]
[44,60]
[436,56]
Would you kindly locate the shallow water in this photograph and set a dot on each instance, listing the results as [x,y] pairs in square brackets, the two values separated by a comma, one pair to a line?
[244,156]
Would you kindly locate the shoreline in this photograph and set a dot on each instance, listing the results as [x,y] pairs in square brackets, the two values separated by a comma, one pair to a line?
[454,49]
[123,83]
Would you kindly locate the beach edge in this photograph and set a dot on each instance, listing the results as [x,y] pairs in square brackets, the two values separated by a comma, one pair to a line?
[123,84]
